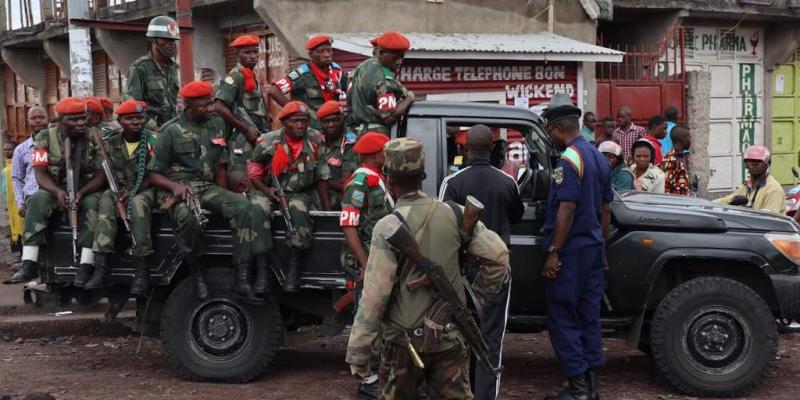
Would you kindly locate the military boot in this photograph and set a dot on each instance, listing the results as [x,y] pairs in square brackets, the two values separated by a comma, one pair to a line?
[578,389]
[592,379]
[141,278]
[242,287]
[29,271]
[263,282]
[83,275]
[368,388]
[200,287]
[293,274]
[102,273]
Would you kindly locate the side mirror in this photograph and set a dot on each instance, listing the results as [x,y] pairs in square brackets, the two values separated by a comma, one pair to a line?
[795,172]
[739,201]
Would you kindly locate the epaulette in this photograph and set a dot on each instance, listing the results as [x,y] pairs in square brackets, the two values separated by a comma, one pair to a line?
[359,178]
[303,68]
[350,137]
[335,65]
[168,123]
[573,156]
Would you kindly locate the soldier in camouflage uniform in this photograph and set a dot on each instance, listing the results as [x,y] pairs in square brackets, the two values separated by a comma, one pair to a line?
[314,82]
[153,78]
[190,157]
[294,155]
[240,89]
[49,165]
[129,150]
[376,99]
[106,121]
[388,304]
[339,154]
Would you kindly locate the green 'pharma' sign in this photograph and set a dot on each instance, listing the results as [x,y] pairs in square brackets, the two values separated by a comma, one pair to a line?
[747,119]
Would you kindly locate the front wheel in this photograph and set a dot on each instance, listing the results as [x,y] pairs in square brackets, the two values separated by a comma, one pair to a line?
[221,338]
[713,336]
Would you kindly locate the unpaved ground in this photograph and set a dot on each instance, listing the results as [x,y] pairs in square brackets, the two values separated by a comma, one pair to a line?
[86,367]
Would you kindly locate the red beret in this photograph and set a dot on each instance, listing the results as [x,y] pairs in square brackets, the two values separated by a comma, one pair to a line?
[318,40]
[94,106]
[374,41]
[131,107]
[70,106]
[394,41]
[106,102]
[292,108]
[370,142]
[329,108]
[196,90]
[246,41]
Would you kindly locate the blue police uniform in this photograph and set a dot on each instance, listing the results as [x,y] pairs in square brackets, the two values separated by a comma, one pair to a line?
[582,176]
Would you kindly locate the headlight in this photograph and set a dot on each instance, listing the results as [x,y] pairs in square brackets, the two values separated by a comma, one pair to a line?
[788,244]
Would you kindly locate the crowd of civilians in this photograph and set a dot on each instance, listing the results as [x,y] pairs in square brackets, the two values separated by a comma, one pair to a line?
[652,159]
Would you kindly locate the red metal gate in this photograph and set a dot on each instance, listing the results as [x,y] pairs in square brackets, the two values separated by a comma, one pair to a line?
[650,78]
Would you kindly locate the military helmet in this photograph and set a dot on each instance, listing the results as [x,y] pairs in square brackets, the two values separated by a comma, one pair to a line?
[404,155]
[163,26]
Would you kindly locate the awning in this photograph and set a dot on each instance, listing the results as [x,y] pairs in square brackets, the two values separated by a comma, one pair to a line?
[544,46]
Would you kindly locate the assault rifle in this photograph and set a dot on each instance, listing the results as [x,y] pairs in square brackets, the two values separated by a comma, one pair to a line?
[112,183]
[72,206]
[404,241]
[283,203]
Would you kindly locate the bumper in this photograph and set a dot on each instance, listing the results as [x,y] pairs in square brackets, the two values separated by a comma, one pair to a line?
[787,291]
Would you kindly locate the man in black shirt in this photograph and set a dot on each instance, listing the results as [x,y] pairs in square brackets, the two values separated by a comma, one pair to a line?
[503,206]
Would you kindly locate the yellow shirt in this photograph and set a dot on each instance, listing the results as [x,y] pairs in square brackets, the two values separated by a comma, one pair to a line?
[769,197]
[131,147]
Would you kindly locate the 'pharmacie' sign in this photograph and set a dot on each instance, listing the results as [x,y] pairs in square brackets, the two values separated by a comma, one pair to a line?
[710,41]
[535,81]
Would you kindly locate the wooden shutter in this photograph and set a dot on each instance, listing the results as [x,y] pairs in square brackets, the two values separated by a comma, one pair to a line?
[100,74]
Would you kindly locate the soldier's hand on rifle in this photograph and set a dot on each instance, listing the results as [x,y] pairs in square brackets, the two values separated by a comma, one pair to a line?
[124,196]
[272,193]
[252,133]
[180,191]
[551,266]
[63,199]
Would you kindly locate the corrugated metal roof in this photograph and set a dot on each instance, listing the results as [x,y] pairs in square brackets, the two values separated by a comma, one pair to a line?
[531,46]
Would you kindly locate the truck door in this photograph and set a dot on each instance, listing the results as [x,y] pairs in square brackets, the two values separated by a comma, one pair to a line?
[526,158]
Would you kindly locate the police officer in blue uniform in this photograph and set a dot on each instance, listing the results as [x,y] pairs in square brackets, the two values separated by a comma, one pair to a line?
[575,229]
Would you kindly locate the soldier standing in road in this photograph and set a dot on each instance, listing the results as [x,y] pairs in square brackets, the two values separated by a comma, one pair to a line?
[153,78]
[388,303]
[129,150]
[294,155]
[376,99]
[190,159]
[48,164]
[240,88]
[366,200]
[575,228]
[314,82]
[339,154]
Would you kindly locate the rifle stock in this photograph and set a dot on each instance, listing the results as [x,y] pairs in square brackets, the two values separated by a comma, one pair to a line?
[405,242]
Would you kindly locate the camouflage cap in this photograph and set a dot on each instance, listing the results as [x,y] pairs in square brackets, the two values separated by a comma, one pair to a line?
[404,155]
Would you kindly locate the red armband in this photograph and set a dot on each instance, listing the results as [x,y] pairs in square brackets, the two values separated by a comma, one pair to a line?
[349,217]
[219,141]
[285,85]
[387,102]
[40,158]
[373,181]
[255,170]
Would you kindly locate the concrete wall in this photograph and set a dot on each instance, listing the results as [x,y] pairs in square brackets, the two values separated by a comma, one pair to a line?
[207,45]
[698,103]
[122,47]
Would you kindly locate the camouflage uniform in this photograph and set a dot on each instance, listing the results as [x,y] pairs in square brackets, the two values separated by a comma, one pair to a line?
[303,86]
[373,96]
[156,85]
[388,303]
[231,92]
[49,149]
[129,170]
[189,152]
[262,215]
[299,180]
[342,161]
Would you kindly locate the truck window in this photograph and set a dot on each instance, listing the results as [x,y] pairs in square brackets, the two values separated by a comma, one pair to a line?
[519,151]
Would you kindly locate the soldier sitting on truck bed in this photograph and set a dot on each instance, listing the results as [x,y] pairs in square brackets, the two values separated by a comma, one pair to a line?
[49,158]
[128,151]
[339,154]
[189,159]
[293,154]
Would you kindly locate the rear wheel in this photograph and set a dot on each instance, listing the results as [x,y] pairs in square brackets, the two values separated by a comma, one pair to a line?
[713,337]
[220,338]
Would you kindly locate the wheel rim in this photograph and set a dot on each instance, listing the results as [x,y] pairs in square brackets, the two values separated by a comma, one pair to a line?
[716,340]
[220,329]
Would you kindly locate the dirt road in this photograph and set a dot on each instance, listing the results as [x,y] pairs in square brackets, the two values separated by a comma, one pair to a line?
[93,368]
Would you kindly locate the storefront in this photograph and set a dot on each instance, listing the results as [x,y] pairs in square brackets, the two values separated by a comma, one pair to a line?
[734,57]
